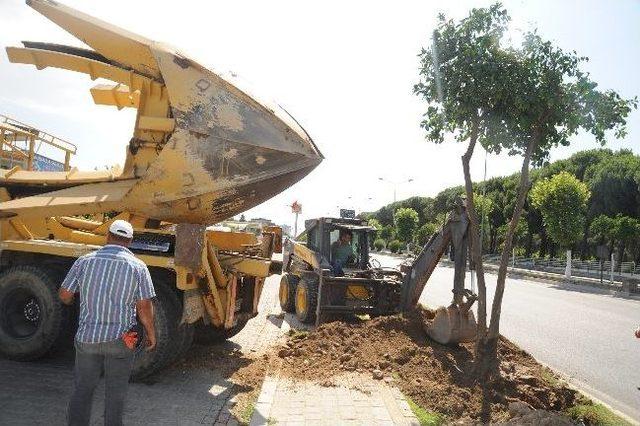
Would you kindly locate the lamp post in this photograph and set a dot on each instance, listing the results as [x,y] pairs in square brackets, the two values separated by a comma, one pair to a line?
[395,184]
[296,208]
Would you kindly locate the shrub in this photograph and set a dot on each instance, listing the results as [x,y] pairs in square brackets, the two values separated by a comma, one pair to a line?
[406,220]
[395,246]
[379,244]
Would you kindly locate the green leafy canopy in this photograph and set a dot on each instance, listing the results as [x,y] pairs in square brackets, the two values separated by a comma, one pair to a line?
[562,199]
[406,220]
[513,93]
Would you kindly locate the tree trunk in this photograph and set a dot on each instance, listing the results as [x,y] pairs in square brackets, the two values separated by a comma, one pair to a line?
[529,245]
[492,240]
[584,248]
[474,228]
[544,242]
[621,249]
[489,365]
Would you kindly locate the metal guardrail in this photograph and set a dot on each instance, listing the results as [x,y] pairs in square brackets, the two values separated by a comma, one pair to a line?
[587,268]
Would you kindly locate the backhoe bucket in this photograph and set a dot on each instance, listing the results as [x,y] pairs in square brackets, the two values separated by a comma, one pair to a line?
[452,325]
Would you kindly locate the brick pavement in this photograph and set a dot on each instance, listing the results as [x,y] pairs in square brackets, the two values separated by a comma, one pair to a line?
[33,393]
[358,400]
[37,392]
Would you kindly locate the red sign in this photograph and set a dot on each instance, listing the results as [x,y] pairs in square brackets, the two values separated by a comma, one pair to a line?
[296,207]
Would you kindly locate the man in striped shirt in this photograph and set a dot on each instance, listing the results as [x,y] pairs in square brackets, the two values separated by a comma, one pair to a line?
[113,285]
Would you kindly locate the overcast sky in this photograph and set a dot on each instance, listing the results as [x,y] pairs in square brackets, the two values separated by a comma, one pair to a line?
[344,70]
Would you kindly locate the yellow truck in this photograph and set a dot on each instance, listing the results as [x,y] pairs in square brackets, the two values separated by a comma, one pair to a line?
[202,150]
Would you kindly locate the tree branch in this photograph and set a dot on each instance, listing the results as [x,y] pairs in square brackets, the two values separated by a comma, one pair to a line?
[475,247]
[523,189]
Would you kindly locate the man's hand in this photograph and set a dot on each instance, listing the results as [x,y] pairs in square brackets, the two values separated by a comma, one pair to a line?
[66,296]
[150,342]
[144,308]
[638,332]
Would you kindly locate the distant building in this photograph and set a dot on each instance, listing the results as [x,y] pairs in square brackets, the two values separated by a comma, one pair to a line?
[262,221]
[254,225]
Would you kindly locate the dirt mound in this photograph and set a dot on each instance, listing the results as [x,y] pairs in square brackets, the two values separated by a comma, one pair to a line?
[438,378]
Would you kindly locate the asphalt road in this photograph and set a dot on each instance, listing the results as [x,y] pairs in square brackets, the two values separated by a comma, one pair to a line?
[584,334]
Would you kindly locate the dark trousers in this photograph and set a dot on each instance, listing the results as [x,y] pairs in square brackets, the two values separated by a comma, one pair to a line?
[91,358]
[336,268]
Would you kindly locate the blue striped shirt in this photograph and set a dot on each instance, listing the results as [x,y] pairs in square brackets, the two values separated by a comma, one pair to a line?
[110,282]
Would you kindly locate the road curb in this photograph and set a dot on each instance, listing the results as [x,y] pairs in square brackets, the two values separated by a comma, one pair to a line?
[553,278]
[586,390]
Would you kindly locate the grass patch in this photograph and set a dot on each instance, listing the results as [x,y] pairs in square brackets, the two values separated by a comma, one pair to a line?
[426,418]
[550,378]
[596,414]
[246,412]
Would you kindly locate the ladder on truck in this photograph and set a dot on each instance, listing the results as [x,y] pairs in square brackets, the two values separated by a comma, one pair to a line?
[20,144]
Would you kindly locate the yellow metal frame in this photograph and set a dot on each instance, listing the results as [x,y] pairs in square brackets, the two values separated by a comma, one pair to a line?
[12,132]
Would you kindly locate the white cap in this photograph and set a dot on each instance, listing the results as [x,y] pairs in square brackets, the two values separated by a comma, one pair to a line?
[121,228]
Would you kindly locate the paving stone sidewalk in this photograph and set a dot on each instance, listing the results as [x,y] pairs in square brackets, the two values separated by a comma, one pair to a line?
[363,402]
[36,393]
[358,400]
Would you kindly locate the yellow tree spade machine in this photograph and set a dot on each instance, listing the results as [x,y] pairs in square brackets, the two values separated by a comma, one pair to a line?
[202,151]
[313,289]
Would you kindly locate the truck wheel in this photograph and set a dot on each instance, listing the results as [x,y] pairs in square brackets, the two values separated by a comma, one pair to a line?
[207,334]
[181,335]
[31,315]
[287,292]
[306,301]
[147,362]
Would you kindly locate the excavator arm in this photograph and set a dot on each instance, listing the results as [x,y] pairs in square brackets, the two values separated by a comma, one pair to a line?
[456,322]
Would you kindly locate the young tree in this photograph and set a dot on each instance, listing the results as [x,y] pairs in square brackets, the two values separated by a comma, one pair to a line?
[406,220]
[523,101]
[424,233]
[562,199]
[603,229]
[373,236]
[464,75]
[626,232]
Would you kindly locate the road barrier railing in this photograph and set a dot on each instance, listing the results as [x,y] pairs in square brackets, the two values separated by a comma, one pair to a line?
[624,276]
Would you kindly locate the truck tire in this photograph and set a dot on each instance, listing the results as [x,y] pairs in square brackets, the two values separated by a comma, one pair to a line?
[306,300]
[146,362]
[207,334]
[32,317]
[287,292]
[181,334]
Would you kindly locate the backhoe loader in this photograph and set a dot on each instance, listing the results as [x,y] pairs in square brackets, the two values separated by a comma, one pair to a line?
[202,150]
[313,289]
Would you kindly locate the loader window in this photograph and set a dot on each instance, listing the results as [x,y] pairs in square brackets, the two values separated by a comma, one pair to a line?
[356,241]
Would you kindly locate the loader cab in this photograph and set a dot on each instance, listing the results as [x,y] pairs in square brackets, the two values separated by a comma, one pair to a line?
[323,232]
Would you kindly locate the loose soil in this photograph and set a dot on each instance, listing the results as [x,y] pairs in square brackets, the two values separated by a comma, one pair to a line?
[436,377]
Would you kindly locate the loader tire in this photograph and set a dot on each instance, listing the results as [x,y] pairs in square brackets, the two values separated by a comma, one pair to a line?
[181,335]
[287,292]
[207,334]
[146,362]
[306,301]
[32,317]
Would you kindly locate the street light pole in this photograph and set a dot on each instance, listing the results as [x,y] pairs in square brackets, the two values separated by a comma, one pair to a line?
[395,185]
